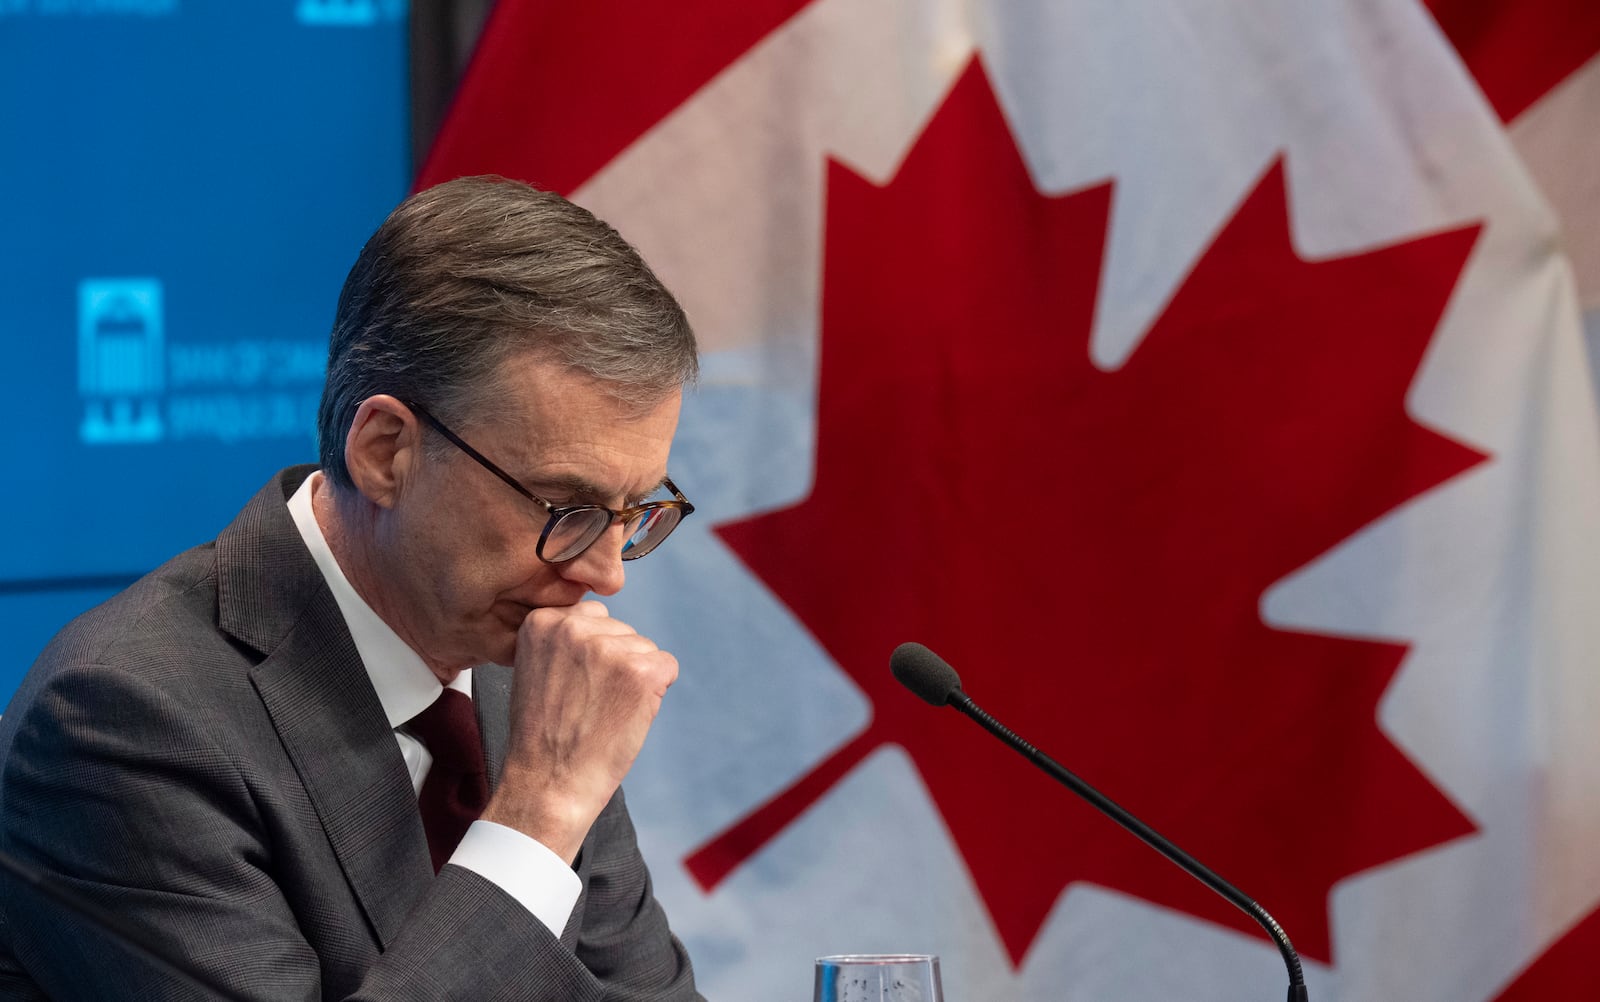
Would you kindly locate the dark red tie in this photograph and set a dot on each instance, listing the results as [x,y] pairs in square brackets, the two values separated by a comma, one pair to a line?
[456,789]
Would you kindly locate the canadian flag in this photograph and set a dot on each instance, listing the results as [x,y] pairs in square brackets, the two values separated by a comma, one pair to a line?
[1206,382]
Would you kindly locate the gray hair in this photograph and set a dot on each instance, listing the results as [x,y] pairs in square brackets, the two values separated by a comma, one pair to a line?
[466,275]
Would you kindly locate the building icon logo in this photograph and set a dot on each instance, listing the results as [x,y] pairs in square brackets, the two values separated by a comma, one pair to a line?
[121,360]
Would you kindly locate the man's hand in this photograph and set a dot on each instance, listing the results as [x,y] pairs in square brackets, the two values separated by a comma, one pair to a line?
[586,690]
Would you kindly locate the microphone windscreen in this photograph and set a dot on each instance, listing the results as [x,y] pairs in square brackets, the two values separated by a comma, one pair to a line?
[924,673]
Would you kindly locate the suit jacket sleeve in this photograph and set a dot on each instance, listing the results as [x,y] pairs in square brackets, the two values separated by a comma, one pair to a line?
[622,933]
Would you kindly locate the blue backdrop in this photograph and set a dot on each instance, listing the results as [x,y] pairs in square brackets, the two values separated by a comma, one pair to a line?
[184,186]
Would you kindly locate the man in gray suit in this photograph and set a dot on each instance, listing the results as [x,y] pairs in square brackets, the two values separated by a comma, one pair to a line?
[368,744]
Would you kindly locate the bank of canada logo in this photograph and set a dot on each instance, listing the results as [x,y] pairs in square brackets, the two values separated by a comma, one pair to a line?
[121,360]
[348,13]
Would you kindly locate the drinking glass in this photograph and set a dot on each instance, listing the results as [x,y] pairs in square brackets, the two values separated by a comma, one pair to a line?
[904,977]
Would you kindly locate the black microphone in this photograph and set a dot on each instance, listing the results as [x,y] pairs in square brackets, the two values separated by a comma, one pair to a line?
[928,676]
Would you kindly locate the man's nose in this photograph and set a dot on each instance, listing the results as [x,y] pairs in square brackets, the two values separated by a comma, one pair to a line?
[599,568]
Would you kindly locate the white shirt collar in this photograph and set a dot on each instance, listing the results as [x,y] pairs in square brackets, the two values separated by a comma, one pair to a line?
[404,683]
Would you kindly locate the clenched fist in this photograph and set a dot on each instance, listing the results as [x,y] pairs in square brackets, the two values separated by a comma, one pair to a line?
[586,689]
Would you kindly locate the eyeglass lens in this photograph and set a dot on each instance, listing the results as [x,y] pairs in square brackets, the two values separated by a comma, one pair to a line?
[648,529]
[574,531]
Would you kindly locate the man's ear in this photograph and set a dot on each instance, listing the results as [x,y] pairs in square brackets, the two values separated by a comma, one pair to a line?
[382,448]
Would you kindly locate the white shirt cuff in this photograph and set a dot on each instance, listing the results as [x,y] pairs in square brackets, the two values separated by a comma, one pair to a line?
[524,868]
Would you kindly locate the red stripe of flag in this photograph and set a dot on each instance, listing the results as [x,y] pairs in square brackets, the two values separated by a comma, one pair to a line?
[1519,50]
[1564,971]
[557,89]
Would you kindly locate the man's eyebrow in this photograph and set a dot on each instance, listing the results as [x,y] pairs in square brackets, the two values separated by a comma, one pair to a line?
[568,489]
[578,490]
[639,499]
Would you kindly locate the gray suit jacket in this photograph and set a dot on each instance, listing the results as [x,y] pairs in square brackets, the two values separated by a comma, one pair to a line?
[204,756]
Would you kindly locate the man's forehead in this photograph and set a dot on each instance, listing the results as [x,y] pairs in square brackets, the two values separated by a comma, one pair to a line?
[540,381]
[569,434]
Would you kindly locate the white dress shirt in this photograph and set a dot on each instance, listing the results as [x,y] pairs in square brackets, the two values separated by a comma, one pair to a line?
[521,866]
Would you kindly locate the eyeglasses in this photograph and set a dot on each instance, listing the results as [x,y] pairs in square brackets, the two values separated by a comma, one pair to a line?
[571,529]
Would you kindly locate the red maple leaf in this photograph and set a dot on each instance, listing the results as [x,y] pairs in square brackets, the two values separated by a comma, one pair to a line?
[1090,548]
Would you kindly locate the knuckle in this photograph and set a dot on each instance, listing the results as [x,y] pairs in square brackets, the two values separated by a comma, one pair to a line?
[662,666]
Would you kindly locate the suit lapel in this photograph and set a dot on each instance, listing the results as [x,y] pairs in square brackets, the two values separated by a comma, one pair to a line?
[335,732]
[314,687]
